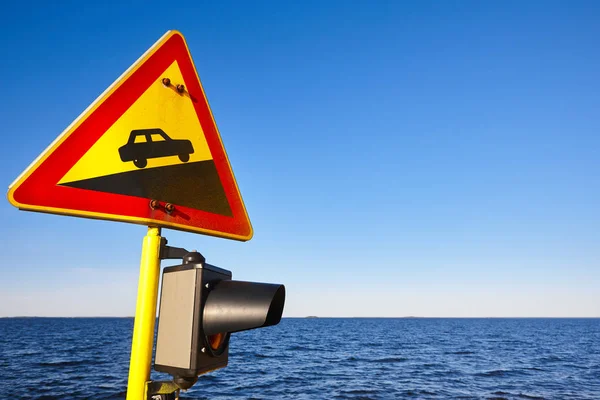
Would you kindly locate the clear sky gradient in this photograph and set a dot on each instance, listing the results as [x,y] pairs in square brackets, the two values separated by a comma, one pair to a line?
[396,158]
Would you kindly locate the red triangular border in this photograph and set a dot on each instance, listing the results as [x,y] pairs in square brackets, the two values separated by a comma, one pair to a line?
[37,188]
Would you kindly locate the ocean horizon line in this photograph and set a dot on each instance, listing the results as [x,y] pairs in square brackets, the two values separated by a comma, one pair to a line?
[306,317]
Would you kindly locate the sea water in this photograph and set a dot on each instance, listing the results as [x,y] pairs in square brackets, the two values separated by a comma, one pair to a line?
[321,358]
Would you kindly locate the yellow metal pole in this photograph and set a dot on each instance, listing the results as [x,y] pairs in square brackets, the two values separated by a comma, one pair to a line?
[145,316]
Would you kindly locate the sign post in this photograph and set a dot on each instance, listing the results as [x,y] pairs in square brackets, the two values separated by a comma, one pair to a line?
[145,316]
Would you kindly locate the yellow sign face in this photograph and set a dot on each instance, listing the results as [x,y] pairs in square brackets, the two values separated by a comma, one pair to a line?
[158,107]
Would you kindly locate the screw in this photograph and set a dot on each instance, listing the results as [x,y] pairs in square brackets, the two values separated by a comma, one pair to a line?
[169,207]
[180,88]
[154,204]
[166,81]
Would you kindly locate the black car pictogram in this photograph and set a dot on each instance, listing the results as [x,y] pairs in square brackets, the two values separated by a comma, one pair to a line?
[156,144]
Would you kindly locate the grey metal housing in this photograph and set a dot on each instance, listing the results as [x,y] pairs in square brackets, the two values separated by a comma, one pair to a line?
[199,300]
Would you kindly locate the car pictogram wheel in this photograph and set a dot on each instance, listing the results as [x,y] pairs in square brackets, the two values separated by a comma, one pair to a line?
[184,157]
[140,163]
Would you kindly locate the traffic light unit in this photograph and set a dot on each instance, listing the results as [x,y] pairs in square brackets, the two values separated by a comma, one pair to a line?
[200,307]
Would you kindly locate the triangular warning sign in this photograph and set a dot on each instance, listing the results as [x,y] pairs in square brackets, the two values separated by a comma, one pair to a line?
[147,151]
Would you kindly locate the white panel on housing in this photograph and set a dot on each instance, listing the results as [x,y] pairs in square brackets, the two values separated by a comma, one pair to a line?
[174,339]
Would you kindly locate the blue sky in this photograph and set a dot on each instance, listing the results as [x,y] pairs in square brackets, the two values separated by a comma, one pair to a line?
[396,158]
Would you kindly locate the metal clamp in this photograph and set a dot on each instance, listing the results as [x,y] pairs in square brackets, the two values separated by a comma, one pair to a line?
[160,390]
[169,252]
